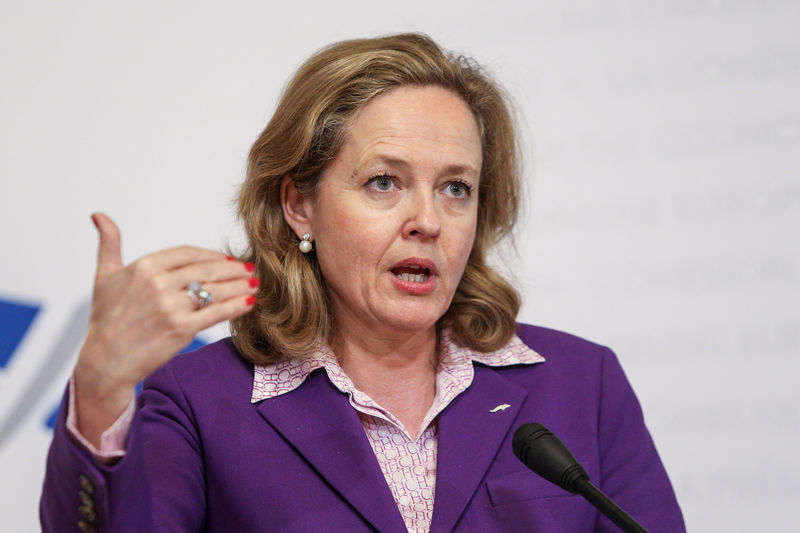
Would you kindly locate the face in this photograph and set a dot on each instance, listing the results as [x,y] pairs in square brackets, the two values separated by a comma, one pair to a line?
[394,219]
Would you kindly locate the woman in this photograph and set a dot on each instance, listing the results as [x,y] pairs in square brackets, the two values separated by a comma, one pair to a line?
[374,378]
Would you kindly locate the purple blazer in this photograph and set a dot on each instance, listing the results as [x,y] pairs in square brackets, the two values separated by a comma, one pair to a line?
[201,457]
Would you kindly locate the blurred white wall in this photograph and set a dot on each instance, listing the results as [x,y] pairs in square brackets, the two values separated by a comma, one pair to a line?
[662,138]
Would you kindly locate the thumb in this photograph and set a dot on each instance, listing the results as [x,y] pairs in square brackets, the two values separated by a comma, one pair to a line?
[109,255]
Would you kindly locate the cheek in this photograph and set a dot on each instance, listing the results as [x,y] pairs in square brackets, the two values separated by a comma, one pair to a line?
[463,257]
[462,242]
[350,245]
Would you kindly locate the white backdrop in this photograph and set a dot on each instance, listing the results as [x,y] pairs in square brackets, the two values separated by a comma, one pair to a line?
[662,143]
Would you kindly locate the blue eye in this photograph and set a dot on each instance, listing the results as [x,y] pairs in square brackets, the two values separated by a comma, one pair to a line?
[458,189]
[382,183]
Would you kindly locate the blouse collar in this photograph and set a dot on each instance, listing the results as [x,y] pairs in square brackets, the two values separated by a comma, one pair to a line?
[455,362]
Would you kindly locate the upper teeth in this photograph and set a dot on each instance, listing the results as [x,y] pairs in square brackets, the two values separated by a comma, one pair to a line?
[417,278]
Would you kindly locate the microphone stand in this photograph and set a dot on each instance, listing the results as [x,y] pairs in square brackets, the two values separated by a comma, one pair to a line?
[605,505]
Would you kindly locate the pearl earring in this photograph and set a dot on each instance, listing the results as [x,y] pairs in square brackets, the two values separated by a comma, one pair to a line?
[305,244]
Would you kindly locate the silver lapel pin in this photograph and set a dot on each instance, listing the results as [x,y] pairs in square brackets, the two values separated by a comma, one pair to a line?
[501,407]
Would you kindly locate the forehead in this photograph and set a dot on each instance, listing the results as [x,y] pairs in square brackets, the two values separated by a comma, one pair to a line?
[423,126]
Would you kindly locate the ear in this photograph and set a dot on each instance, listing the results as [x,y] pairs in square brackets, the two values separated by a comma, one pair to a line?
[297,209]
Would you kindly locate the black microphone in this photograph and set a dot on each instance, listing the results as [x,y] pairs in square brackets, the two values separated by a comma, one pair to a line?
[542,452]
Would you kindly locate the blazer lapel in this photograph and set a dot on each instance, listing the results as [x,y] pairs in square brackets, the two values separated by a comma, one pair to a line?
[471,430]
[319,422]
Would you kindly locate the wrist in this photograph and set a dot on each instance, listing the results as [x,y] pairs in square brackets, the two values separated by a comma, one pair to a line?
[94,409]
[98,379]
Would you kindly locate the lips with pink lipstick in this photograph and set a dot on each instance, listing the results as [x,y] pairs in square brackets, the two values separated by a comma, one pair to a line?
[414,275]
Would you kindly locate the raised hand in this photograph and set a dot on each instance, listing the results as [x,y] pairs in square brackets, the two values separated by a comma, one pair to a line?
[143,314]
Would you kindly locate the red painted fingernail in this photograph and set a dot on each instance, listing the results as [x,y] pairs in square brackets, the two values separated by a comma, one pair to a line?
[251,300]
[254,282]
[249,266]
[229,258]
[94,221]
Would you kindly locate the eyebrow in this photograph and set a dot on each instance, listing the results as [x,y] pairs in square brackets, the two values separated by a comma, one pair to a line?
[402,164]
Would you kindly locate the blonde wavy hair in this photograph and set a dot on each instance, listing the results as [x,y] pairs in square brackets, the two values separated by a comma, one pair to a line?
[306,132]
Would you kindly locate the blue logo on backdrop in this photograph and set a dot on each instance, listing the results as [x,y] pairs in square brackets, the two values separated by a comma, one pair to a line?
[16,319]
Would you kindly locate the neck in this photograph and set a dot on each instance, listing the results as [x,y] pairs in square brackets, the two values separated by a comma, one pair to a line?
[365,354]
[398,372]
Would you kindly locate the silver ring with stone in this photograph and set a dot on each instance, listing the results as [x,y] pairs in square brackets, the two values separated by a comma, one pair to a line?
[199,295]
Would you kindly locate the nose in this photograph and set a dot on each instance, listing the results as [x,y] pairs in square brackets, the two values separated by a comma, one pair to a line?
[424,219]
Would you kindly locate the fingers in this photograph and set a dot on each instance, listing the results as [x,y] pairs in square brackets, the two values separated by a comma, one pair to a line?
[208,272]
[219,312]
[109,255]
[221,292]
[181,256]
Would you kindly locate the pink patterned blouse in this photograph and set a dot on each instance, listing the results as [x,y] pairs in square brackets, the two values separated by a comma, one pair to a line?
[408,466]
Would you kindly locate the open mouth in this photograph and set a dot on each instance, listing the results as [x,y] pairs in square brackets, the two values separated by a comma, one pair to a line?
[414,274]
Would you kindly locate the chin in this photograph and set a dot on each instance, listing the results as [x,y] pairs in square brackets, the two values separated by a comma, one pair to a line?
[412,319]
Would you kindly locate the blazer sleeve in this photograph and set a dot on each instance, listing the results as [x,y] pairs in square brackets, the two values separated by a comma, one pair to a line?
[157,486]
[631,471]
